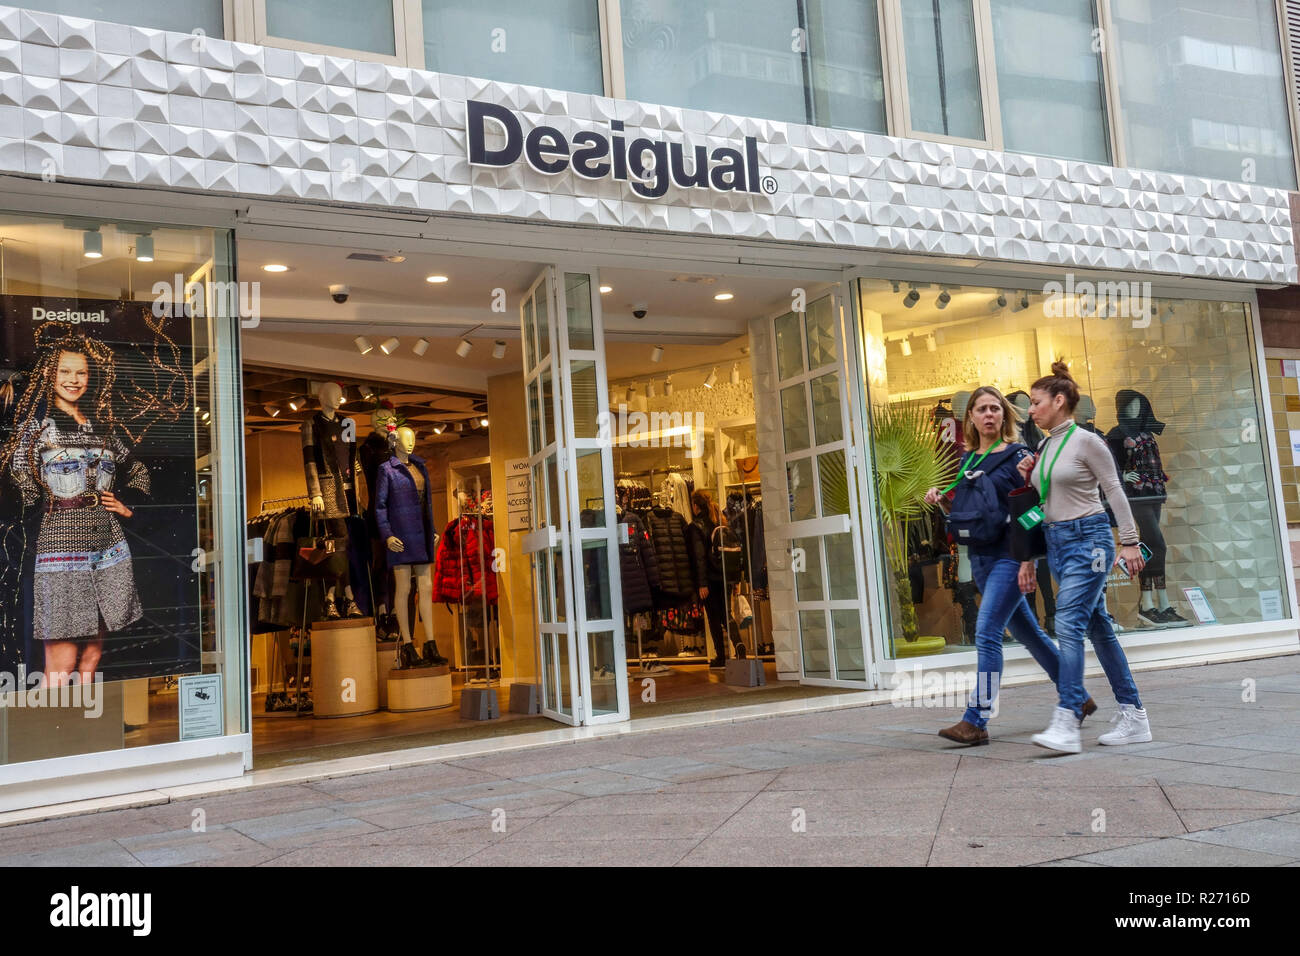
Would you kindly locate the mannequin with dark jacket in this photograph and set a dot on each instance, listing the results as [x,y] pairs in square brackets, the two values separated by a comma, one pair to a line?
[705,573]
[1137,456]
[329,462]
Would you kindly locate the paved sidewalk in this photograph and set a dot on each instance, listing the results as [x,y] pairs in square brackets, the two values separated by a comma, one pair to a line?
[1220,786]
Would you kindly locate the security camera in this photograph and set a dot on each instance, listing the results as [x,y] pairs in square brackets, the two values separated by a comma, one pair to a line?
[340,293]
[640,310]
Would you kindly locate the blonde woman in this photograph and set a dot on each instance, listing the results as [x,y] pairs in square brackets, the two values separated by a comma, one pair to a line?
[979,517]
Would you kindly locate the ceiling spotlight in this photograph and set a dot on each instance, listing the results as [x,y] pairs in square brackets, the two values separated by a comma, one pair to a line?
[439,428]
[668,385]
[606,289]
[463,349]
[420,347]
[499,349]
[930,343]
[723,297]
[389,347]
[657,353]
[712,378]
[435,279]
[999,301]
[906,345]
[272,410]
[1021,303]
[483,422]
[363,345]
[650,389]
[894,283]
[274,267]
[351,394]
[911,298]
[368,393]
[297,402]
[941,302]
[460,427]
[92,244]
[144,249]
[735,373]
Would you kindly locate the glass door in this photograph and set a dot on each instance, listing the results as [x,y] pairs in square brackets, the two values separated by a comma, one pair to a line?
[821,450]
[573,541]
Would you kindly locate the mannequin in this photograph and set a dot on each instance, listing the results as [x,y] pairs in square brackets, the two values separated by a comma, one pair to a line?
[1137,456]
[404,514]
[329,460]
[374,451]
[1029,432]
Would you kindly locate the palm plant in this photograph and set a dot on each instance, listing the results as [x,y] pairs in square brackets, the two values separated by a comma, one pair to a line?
[910,460]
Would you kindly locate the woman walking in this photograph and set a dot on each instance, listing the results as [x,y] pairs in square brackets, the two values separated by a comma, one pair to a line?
[976,504]
[706,572]
[1080,552]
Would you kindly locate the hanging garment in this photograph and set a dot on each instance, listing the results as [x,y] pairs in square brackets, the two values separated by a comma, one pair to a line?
[668,536]
[678,495]
[639,569]
[463,568]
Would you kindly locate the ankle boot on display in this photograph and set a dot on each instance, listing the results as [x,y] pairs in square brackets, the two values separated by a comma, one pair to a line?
[331,609]
[350,608]
[431,655]
[407,656]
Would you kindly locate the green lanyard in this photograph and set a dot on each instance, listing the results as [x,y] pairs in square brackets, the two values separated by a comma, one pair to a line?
[1047,475]
[961,472]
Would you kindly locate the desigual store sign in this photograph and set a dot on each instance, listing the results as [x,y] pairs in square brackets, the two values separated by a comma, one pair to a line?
[648,165]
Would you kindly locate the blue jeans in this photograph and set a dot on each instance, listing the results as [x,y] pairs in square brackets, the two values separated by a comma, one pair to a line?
[1002,607]
[1080,554]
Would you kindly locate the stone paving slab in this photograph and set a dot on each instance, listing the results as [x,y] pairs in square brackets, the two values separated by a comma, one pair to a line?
[1181,851]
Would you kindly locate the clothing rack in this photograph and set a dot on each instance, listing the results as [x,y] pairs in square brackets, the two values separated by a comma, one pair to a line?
[300,499]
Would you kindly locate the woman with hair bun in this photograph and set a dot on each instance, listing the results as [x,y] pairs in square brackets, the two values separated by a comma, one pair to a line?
[1070,465]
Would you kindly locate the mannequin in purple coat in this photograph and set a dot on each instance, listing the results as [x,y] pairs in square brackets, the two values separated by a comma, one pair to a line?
[404,514]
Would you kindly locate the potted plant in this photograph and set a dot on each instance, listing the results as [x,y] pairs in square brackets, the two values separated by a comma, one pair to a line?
[910,459]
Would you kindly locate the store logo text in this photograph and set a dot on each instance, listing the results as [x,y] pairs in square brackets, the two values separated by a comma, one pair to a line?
[67,315]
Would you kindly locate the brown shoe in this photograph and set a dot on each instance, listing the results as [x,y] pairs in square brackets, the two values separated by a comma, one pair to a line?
[1089,708]
[964,732]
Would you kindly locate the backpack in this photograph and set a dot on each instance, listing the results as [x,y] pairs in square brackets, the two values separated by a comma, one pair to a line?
[976,515]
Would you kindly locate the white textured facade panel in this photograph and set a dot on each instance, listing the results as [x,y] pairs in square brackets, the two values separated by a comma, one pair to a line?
[107,102]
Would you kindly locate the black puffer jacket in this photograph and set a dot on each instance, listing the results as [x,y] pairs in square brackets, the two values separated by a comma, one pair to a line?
[699,538]
[668,538]
[638,565]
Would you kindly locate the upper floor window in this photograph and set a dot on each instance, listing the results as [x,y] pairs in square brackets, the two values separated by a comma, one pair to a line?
[555,44]
[368,27]
[181,16]
[1201,89]
[942,68]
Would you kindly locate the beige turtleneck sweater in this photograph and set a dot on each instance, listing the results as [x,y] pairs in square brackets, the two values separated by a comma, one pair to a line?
[1084,464]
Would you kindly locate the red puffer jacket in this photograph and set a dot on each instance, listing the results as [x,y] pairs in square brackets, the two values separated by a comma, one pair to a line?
[458,573]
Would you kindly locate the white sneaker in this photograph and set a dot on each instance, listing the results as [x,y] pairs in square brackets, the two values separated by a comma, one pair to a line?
[1062,734]
[1132,728]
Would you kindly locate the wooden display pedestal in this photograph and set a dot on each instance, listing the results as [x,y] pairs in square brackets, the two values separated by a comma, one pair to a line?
[525,698]
[345,678]
[479,703]
[41,729]
[746,673]
[385,661]
[419,688]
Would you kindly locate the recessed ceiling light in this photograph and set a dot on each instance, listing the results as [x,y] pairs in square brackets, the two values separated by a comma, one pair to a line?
[483,422]
[435,279]
[275,267]
[724,297]
[605,289]
[395,257]
[144,249]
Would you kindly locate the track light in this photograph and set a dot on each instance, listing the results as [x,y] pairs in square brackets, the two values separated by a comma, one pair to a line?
[911,298]
[930,343]
[363,345]
[297,402]
[389,347]
[499,349]
[998,302]
[460,427]
[712,378]
[657,353]
[483,422]
[420,347]
[906,345]
[463,349]
[439,428]
[735,373]
[944,297]
[92,244]
[668,385]
[144,249]
[272,410]
[650,389]
[1021,304]
[368,393]
[894,283]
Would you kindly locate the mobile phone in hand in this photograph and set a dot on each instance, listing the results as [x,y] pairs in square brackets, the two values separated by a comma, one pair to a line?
[1142,550]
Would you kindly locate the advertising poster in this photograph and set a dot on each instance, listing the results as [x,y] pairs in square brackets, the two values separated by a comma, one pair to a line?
[98,516]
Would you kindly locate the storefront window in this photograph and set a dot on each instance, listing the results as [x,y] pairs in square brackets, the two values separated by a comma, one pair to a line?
[342,24]
[554,44]
[816,63]
[1204,90]
[943,81]
[1170,385]
[121,585]
[182,16]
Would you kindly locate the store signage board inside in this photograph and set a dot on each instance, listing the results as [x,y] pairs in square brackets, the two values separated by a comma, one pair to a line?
[519,498]
[1200,605]
[649,166]
[200,706]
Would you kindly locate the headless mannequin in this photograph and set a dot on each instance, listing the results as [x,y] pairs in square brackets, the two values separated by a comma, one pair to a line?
[405,444]
[330,396]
